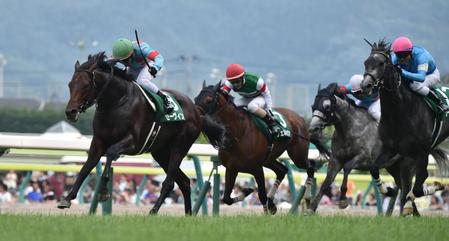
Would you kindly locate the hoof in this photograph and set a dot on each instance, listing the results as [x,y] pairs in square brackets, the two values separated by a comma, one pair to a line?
[308,212]
[272,209]
[408,209]
[64,204]
[153,212]
[343,204]
[391,192]
[104,195]
[247,191]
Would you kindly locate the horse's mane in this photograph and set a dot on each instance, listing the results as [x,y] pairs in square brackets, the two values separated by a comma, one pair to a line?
[105,65]
[382,46]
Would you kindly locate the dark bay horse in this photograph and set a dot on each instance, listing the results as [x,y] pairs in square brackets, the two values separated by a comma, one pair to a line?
[245,147]
[406,125]
[355,142]
[122,123]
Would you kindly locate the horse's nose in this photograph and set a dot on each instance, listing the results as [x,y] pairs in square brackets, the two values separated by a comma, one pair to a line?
[71,114]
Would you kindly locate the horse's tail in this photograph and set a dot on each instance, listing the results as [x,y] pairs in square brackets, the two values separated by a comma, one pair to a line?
[442,160]
[213,131]
[321,146]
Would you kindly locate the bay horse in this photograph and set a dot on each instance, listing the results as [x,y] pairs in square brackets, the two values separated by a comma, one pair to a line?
[407,123]
[122,123]
[245,146]
[355,143]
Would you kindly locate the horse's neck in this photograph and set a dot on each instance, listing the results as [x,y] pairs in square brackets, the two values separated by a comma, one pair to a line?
[348,118]
[232,119]
[397,104]
[112,90]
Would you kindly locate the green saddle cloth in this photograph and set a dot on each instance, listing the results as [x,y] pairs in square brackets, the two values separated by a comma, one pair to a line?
[285,132]
[443,93]
[176,115]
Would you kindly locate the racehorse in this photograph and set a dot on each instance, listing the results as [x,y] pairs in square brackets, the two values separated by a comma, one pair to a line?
[122,123]
[355,143]
[245,148]
[407,124]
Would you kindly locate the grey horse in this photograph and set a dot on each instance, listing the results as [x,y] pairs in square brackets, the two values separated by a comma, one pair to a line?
[355,142]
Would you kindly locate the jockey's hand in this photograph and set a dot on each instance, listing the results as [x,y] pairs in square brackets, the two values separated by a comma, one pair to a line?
[153,71]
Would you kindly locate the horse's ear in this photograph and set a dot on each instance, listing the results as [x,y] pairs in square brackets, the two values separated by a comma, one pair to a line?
[77,65]
[319,87]
[89,57]
[204,84]
[217,86]
[368,42]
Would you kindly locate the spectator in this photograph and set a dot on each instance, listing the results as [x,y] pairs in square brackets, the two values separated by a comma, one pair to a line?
[11,180]
[371,200]
[5,196]
[151,192]
[48,193]
[35,195]
[435,203]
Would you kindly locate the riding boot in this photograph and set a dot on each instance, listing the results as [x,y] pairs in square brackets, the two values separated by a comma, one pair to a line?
[272,124]
[433,96]
[168,106]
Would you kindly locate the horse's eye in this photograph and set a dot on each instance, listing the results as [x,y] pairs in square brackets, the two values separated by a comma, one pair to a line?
[327,105]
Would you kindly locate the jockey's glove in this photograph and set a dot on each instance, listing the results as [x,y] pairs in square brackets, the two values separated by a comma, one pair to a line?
[153,71]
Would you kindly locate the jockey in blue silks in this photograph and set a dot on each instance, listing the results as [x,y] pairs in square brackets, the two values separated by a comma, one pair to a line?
[418,66]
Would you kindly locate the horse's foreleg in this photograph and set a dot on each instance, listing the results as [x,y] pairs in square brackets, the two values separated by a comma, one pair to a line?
[230,177]
[260,180]
[96,150]
[332,170]
[344,188]
[280,171]
[113,153]
[418,189]
[380,161]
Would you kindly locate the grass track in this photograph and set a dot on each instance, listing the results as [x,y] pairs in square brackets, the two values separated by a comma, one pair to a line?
[44,227]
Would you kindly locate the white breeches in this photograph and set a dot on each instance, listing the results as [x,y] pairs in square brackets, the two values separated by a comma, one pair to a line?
[144,79]
[374,110]
[252,103]
[422,88]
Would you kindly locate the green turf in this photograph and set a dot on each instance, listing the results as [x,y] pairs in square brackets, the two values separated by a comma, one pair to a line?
[342,228]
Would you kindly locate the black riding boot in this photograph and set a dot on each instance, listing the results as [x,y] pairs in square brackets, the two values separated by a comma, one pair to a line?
[272,124]
[443,106]
[168,106]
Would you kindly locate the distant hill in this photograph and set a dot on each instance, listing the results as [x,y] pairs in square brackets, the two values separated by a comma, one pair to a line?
[301,42]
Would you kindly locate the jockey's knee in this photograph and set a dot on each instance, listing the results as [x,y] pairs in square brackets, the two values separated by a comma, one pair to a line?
[419,88]
[253,107]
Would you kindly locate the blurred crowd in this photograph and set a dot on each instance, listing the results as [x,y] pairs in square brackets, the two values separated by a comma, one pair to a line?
[44,187]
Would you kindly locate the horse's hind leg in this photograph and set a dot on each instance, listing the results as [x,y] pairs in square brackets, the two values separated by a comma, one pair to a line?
[344,188]
[333,168]
[299,155]
[96,150]
[181,179]
[280,171]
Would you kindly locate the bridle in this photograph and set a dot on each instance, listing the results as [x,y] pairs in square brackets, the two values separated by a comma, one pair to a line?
[93,88]
[329,117]
[380,82]
[212,107]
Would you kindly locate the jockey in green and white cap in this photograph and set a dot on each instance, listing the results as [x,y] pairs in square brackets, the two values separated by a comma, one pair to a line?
[130,54]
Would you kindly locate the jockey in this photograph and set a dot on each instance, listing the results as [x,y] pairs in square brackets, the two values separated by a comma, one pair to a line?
[354,91]
[254,92]
[130,54]
[418,66]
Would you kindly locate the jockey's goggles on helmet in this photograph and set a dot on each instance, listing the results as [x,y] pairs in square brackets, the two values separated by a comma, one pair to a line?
[403,55]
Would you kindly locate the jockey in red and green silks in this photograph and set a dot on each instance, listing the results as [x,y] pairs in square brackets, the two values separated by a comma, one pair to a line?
[254,94]
[418,67]
[130,54]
